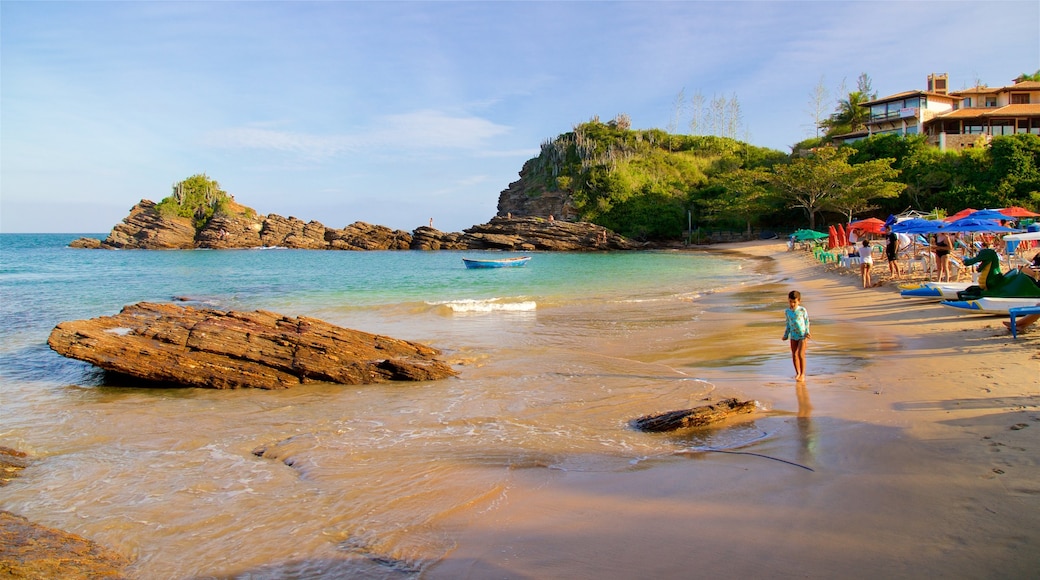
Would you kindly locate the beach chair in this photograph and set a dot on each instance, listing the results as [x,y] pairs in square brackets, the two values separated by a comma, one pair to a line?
[1020,311]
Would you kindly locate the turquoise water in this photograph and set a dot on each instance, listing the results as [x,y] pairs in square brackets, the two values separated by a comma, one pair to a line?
[554,360]
[43,282]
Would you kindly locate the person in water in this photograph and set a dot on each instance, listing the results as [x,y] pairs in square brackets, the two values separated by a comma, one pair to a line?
[797,331]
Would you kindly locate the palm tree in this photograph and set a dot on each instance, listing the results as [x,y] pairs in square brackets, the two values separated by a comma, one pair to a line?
[1027,77]
[850,116]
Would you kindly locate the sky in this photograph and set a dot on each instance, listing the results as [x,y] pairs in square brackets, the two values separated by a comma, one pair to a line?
[393,113]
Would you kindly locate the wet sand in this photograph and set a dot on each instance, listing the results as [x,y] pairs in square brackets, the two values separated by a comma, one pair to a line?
[912,450]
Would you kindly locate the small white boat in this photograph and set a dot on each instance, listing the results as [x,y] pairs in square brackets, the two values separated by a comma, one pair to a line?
[990,305]
[496,263]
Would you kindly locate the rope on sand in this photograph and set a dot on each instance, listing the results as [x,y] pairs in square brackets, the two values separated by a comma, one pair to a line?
[760,455]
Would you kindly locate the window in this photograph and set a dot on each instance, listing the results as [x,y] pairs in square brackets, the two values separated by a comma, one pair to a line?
[966,103]
[991,101]
[1019,98]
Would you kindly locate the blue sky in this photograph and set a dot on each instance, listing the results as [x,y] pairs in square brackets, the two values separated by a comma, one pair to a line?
[396,112]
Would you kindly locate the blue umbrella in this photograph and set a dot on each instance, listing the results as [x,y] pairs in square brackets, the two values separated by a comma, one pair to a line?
[972,225]
[917,226]
[987,214]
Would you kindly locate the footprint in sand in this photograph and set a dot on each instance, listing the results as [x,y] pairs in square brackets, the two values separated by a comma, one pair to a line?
[1018,426]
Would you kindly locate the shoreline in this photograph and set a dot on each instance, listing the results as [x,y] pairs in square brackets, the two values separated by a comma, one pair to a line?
[920,449]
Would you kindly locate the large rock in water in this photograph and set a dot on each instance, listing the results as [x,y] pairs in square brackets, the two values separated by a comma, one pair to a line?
[199,347]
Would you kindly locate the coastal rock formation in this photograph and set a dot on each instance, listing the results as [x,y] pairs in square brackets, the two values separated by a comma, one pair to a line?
[148,229]
[182,345]
[534,233]
[695,417]
[523,199]
[12,462]
[363,236]
[29,550]
[241,227]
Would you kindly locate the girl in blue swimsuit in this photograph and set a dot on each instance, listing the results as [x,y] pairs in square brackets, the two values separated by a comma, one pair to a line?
[797,331]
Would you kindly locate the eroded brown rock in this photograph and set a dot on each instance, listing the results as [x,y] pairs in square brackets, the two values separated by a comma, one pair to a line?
[201,347]
[695,417]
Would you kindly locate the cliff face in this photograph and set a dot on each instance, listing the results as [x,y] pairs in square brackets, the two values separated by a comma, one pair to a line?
[147,229]
[523,199]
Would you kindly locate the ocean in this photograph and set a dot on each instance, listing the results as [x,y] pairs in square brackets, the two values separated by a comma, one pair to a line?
[555,358]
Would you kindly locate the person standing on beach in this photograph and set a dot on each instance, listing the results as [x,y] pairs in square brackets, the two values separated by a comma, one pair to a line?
[892,253]
[866,260]
[797,331]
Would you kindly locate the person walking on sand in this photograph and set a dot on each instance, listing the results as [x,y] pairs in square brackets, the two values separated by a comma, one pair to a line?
[866,261]
[797,331]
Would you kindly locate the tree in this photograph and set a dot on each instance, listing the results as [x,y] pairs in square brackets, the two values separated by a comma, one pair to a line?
[816,105]
[677,110]
[197,197]
[734,117]
[864,183]
[817,182]
[697,121]
[1028,77]
[850,114]
[745,195]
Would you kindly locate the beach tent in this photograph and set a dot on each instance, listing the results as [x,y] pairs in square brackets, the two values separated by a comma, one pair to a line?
[1018,212]
[961,214]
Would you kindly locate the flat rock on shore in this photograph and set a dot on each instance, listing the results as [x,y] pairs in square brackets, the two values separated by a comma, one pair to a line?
[199,347]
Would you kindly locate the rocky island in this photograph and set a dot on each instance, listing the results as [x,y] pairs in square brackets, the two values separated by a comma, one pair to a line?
[200,215]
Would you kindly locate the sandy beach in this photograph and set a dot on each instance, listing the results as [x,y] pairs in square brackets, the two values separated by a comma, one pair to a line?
[921,462]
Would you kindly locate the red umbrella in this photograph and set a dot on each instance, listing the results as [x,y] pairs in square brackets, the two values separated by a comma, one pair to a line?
[832,238]
[843,238]
[1015,211]
[868,226]
[961,214]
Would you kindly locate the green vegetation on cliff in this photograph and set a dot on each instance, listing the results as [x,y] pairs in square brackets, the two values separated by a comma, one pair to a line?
[639,183]
[648,184]
[198,198]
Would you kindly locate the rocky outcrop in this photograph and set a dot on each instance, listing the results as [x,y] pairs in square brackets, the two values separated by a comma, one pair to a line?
[523,198]
[182,345]
[695,417]
[427,238]
[362,236]
[146,228]
[29,550]
[533,233]
[241,227]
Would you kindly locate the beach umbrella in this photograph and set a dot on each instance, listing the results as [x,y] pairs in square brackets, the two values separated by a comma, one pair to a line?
[961,214]
[802,235]
[917,226]
[868,226]
[832,238]
[972,225]
[843,238]
[987,214]
[1023,236]
[1018,212]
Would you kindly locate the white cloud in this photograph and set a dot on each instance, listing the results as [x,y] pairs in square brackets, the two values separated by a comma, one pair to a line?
[415,131]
